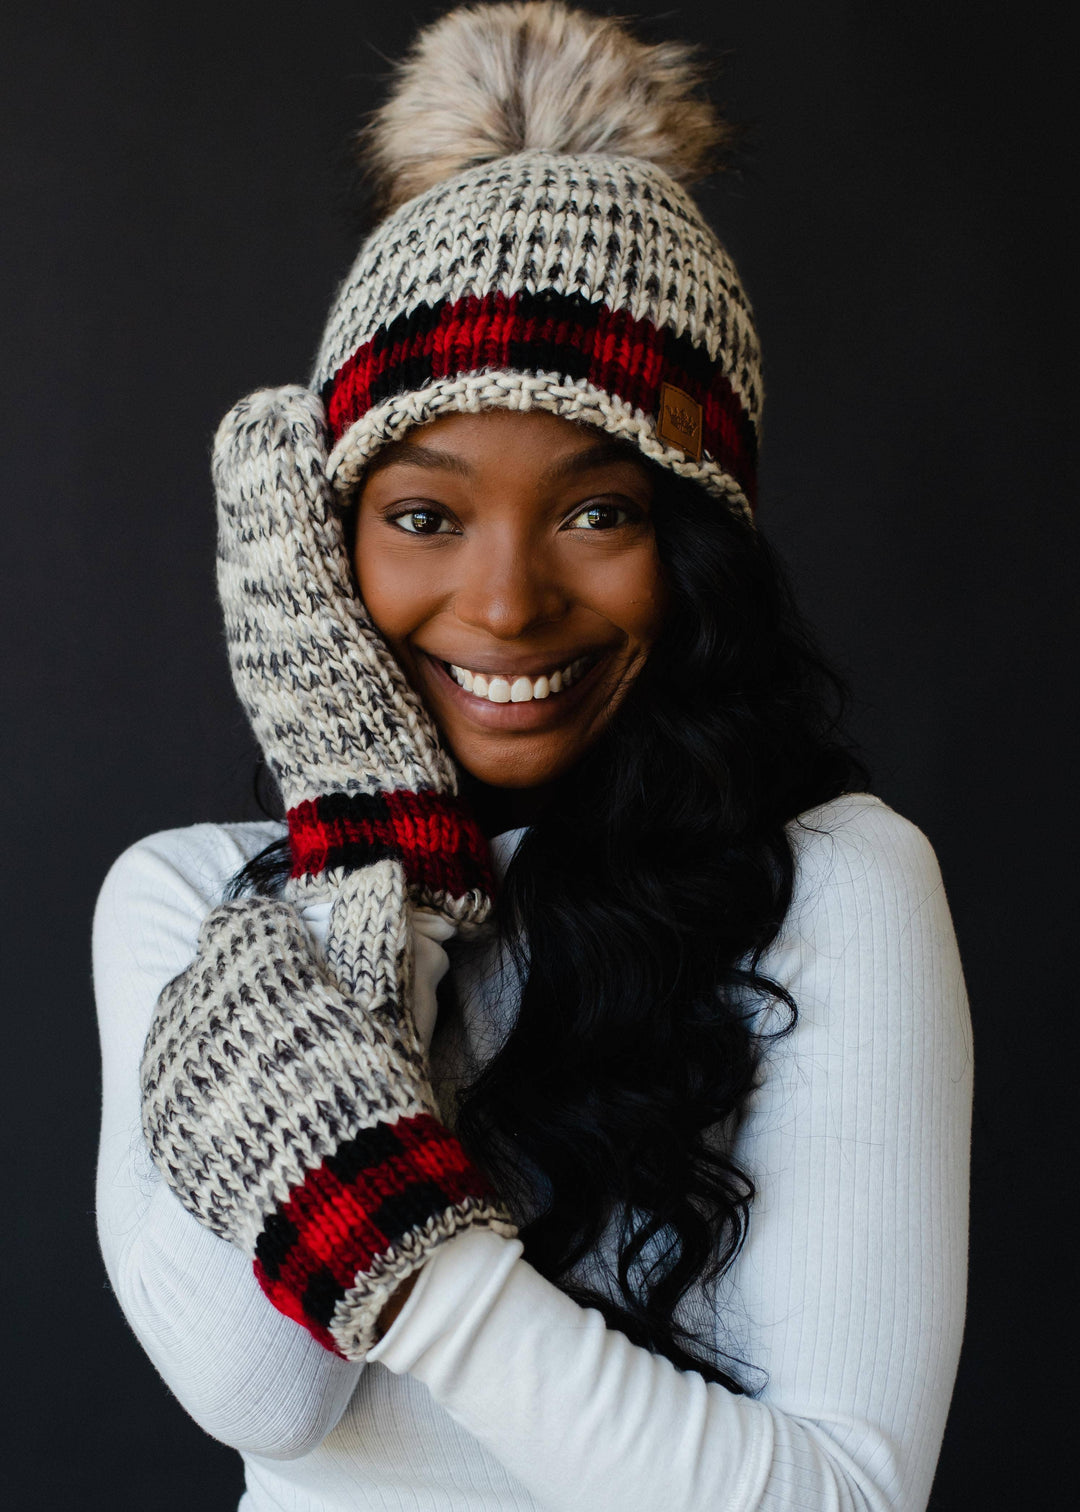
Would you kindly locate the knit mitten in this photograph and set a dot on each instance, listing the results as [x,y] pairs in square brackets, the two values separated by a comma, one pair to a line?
[286,1099]
[355,753]
[297,1123]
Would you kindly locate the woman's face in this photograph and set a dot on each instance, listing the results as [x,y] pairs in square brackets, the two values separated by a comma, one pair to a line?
[509,561]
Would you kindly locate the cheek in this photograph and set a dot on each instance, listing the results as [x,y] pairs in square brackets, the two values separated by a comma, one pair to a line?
[633,595]
[393,592]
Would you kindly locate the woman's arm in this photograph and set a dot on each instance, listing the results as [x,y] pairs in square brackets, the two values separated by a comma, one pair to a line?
[853,1277]
[248,1375]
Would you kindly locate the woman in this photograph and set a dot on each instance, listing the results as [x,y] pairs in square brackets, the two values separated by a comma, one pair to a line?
[658,1198]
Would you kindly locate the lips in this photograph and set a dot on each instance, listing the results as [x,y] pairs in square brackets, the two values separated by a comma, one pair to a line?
[510,687]
[522,699]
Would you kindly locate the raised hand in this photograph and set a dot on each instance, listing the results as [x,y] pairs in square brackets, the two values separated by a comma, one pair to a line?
[285,1096]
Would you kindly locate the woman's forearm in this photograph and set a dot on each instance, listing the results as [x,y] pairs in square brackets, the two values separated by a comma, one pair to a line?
[853,1276]
[247,1375]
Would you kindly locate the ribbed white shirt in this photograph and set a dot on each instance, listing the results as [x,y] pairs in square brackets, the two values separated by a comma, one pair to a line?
[493,1390]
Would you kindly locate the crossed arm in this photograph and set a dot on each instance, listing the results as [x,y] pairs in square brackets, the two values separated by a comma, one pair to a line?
[851,1285]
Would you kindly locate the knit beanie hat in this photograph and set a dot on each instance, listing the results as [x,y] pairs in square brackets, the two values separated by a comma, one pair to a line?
[542,252]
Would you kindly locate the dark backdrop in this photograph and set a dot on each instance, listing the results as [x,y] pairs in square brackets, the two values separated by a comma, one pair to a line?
[174,227]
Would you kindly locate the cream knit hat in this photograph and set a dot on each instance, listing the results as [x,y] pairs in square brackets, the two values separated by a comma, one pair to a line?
[547,255]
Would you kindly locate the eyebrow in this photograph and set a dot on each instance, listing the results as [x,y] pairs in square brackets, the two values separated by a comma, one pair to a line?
[430,458]
[603,454]
[410,454]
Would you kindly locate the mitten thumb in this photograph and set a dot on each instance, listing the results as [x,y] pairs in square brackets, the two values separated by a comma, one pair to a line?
[368,947]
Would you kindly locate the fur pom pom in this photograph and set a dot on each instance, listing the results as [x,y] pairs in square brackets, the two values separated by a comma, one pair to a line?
[488,80]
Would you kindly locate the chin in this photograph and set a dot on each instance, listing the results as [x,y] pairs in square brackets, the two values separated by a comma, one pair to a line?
[514,774]
[507,763]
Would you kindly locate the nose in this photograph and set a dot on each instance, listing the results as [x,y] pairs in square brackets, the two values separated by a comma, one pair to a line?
[509,587]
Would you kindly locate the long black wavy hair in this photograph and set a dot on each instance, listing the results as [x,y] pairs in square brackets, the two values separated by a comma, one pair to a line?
[637,909]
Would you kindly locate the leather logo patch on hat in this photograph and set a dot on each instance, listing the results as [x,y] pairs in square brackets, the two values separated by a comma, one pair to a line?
[679,421]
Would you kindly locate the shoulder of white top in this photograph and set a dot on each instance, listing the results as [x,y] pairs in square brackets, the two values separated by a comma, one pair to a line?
[201,857]
[857,841]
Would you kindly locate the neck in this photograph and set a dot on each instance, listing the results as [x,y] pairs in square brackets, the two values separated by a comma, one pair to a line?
[498,809]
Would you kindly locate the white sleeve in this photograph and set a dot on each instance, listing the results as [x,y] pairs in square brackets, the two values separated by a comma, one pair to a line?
[247,1375]
[853,1277]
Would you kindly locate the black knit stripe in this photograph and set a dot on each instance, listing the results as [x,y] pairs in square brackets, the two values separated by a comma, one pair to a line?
[364,1152]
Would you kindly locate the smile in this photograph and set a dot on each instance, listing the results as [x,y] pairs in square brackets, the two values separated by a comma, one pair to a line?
[497,688]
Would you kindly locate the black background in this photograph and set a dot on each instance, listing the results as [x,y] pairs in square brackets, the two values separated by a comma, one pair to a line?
[174,226]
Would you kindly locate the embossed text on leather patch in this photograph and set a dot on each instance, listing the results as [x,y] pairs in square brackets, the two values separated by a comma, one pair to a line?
[679,421]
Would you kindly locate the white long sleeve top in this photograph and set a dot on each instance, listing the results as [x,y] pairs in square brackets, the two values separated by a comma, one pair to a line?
[493,1390]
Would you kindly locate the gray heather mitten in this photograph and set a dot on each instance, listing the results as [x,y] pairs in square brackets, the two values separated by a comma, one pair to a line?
[356,755]
[298,1124]
[285,1100]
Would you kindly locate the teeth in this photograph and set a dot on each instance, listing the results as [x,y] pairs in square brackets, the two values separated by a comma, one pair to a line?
[522,689]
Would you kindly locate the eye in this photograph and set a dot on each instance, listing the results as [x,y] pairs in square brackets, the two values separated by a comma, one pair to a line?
[600,517]
[423,522]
